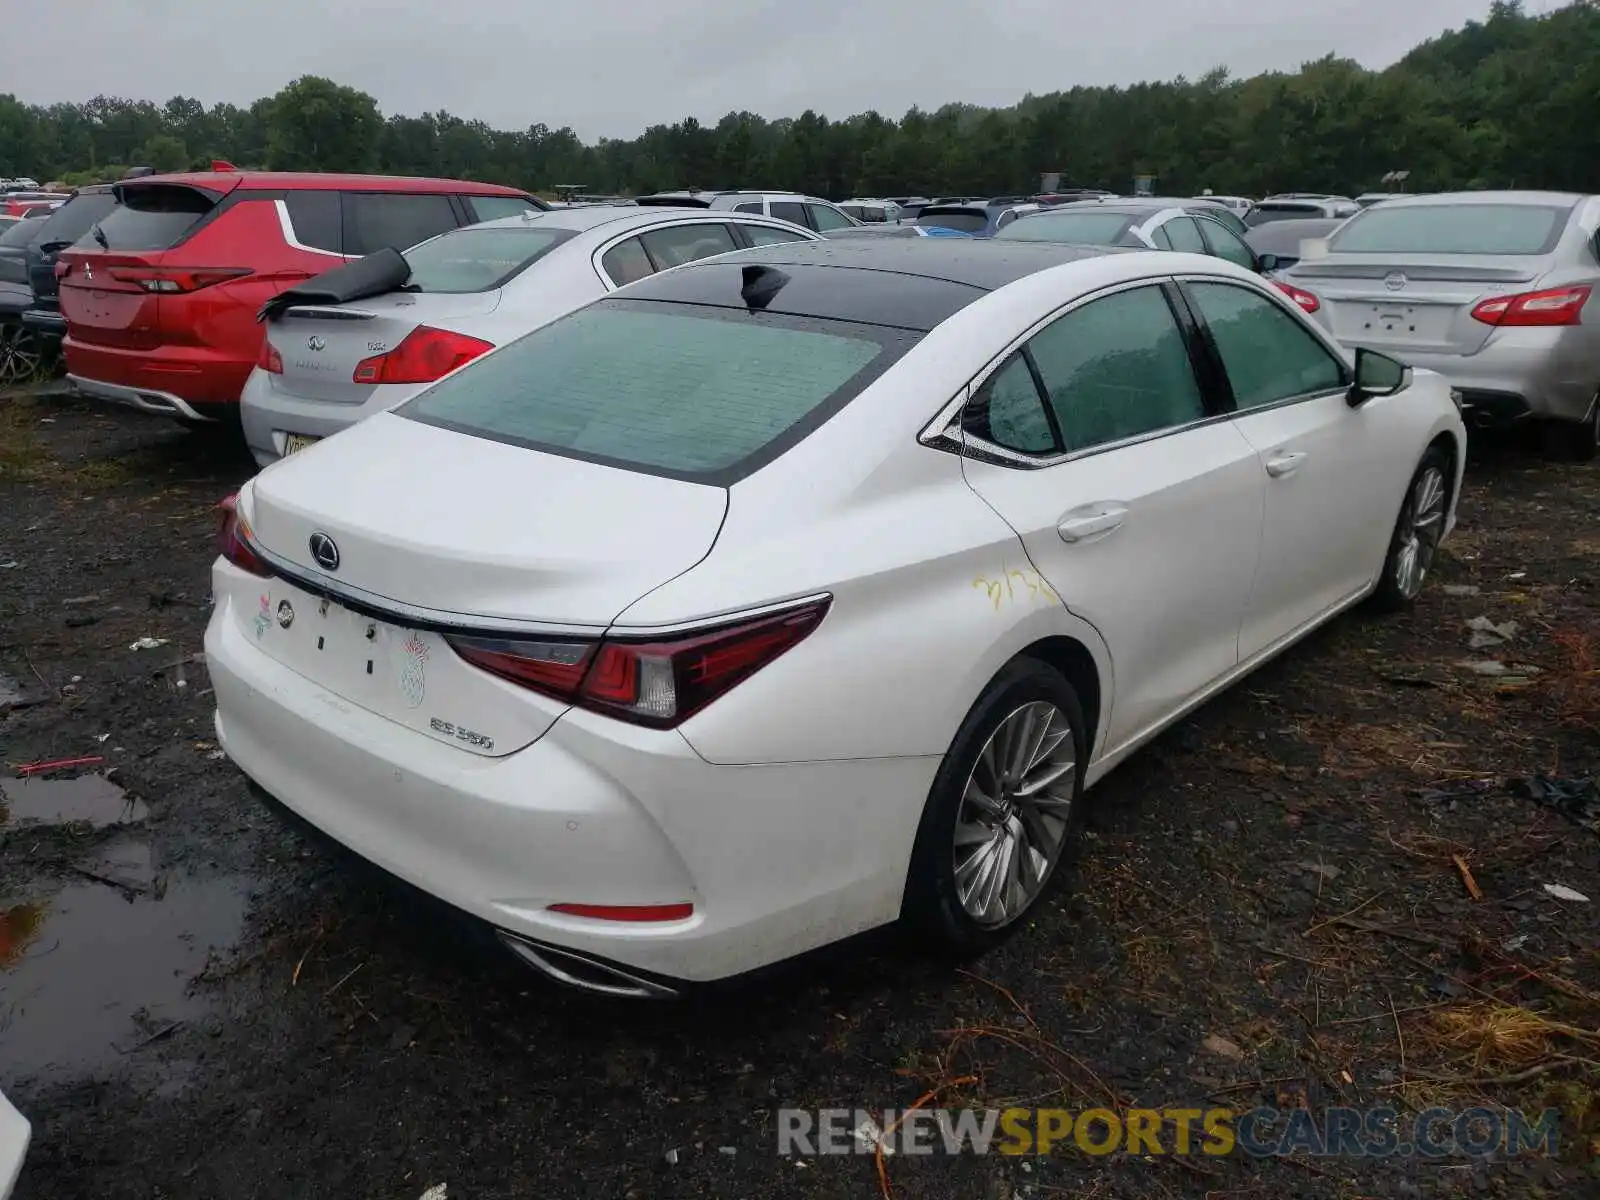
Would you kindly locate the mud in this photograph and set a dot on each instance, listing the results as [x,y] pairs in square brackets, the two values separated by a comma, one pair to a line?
[88,799]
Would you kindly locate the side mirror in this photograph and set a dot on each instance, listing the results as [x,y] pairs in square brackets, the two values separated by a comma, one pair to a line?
[1266,263]
[1376,375]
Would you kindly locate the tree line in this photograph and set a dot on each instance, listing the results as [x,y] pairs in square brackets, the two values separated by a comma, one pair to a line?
[1509,101]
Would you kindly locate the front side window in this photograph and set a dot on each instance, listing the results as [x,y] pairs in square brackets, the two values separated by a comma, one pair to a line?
[477,259]
[374,220]
[627,262]
[679,244]
[1226,246]
[1117,368]
[690,392]
[824,218]
[1185,235]
[1268,354]
[1008,411]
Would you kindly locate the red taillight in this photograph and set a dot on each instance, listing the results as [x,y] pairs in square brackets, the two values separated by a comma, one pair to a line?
[627,912]
[232,533]
[269,360]
[423,355]
[1555,306]
[174,280]
[658,683]
[1299,295]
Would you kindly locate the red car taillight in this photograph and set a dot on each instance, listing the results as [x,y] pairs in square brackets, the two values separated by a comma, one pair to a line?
[1300,296]
[269,360]
[1555,306]
[659,683]
[231,539]
[173,280]
[423,355]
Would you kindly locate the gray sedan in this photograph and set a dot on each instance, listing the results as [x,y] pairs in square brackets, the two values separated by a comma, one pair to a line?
[367,336]
[1493,290]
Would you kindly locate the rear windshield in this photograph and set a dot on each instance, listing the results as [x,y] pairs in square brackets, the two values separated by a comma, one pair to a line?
[1455,229]
[19,233]
[702,394]
[153,217]
[1081,228]
[477,259]
[1264,214]
[965,222]
[76,217]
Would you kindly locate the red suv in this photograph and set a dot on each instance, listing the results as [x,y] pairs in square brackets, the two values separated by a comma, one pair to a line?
[161,296]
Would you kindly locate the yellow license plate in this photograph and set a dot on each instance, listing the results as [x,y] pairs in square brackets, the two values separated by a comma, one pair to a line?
[293,442]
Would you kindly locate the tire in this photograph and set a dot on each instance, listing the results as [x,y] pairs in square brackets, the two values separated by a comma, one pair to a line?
[933,908]
[1573,441]
[1417,531]
[21,355]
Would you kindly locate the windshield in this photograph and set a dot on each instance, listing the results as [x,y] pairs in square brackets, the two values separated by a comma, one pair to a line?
[479,259]
[695,393]
[964,221]
[76,217]
[1080,228]
[1454,229]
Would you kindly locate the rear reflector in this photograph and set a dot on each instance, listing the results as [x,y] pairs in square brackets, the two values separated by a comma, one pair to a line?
[232,543]
[1556,306]
[627,912]
[1300,296]
[173,280]
[423,355]
[659,683]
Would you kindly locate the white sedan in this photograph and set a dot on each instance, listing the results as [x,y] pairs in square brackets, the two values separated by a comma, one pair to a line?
[14,1132]
[803,590]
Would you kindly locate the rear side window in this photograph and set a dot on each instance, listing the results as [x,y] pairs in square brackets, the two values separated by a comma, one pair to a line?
[679,244]
[824,218]
[627,262]
[373,220]
[789,210]
[962,222]
[754,207]
[770,235]
[701,394]
[1009,412]
[492,208]
[315,217]
[479,260]
[1454,229]
[154,217]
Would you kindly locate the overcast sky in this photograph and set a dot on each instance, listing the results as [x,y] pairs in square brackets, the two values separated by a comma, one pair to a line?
[611,67]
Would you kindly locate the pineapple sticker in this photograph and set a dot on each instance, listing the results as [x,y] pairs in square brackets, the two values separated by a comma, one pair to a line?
[413,677]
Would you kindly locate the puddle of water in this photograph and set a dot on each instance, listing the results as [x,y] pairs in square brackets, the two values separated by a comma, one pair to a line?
[88,975]
[10,692]
[88,798]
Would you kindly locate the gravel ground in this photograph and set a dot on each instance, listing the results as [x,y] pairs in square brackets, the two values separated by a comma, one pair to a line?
[1272,907]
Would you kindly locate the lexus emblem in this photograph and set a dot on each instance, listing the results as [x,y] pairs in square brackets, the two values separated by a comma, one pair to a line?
[315,342]
[1394,280]
[324,551]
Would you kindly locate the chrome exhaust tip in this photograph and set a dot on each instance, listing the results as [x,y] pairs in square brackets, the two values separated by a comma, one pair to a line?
[583,972]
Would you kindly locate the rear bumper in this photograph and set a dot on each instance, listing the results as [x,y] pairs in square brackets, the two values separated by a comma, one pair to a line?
[206,381]
[268,413]
[46,321]
[163,404]
[14,1135]
[1520,373]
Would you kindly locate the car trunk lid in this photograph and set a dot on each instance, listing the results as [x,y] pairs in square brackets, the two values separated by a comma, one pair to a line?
[1415,302]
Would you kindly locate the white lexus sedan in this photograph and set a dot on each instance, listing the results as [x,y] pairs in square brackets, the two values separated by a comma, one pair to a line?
[803,590]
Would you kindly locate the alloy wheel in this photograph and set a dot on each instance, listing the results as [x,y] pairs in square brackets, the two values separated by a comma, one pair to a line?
[1421,532]
[20,355]
[1014,812]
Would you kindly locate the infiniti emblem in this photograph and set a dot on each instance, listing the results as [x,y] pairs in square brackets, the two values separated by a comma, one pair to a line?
[314,342]
[324,551]
[1394,280]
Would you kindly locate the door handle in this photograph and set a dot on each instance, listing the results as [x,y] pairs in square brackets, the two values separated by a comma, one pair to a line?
[1083,523]
[1280,465]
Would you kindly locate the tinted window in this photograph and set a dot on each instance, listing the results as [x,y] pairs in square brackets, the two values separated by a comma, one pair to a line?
[789,210]
[963,222]
[1158,235]
[1227,217]
[19,233]
[626,262]
[1117,368]
[75,218]
[754,207]
[679,244]
[315,217]
[1265,214]
[824,218]
[768,235]
[1185,235]
[1009,412]
[1226,246]
[154,217]
[695,393]
[477,260]
[1085,228]
[374,220]
[492,208]
[1268,354]
[1454,229]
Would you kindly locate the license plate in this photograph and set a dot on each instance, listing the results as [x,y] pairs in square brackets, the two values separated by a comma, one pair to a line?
[293,442]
